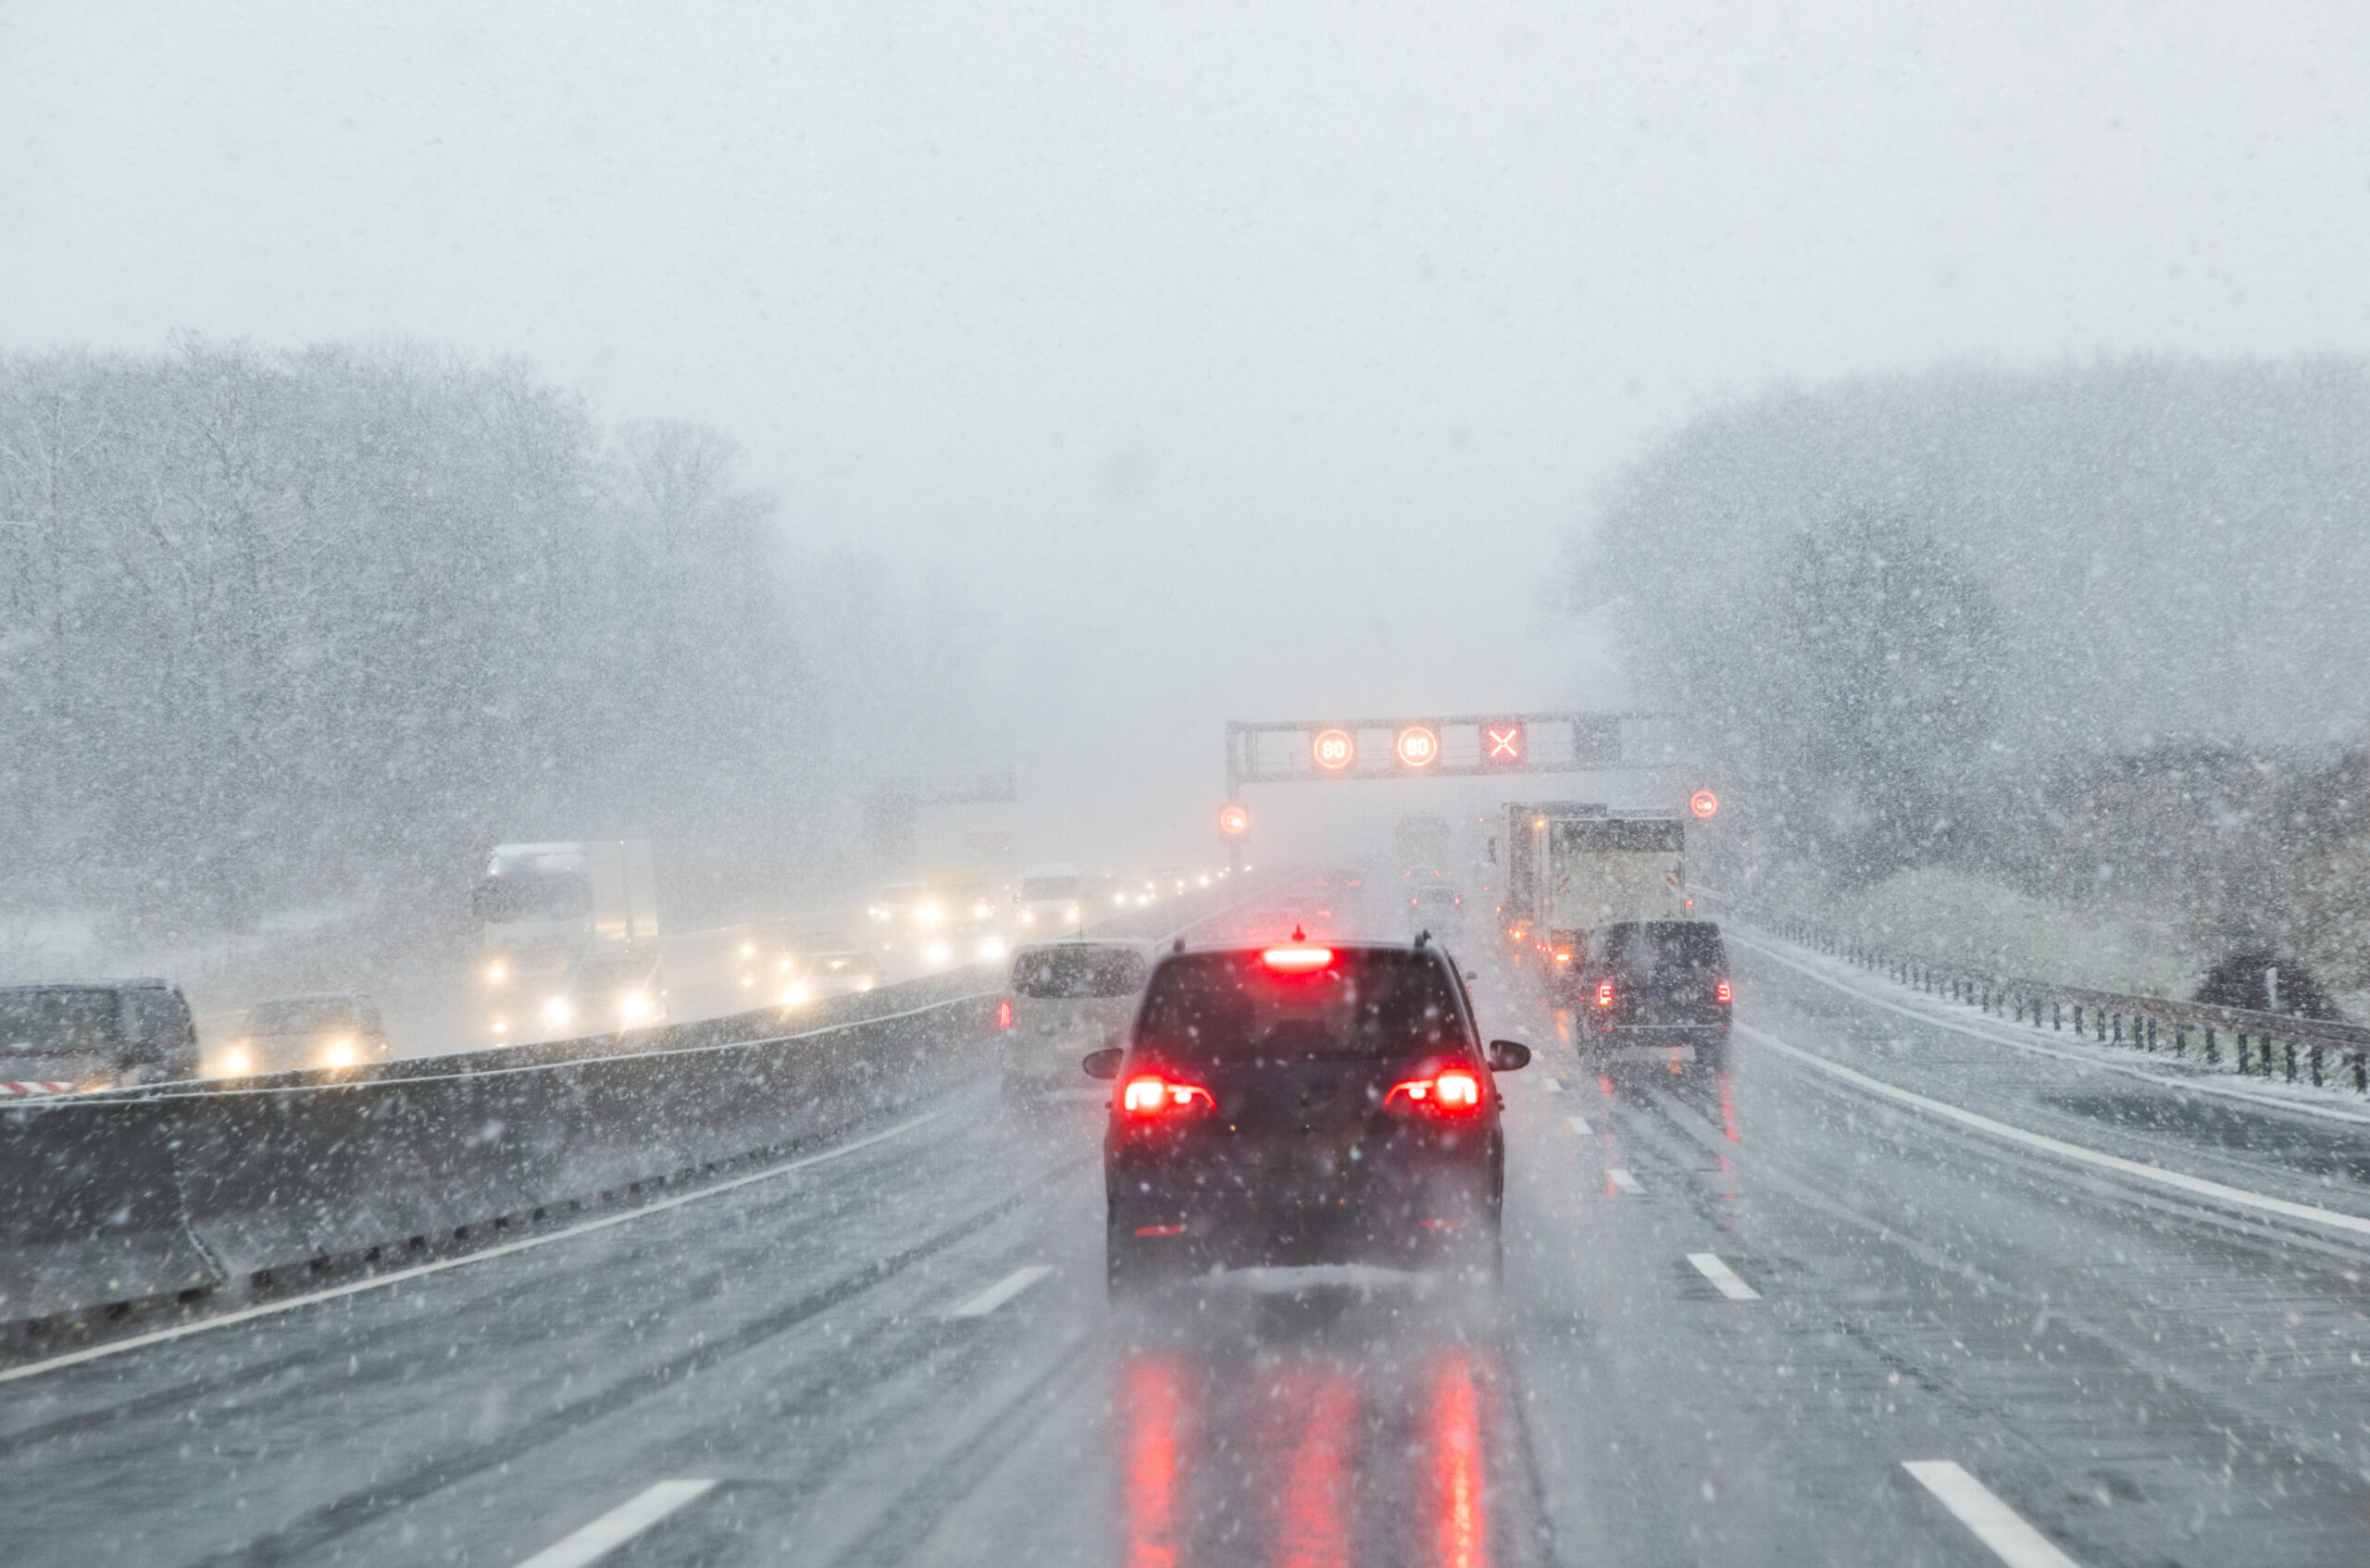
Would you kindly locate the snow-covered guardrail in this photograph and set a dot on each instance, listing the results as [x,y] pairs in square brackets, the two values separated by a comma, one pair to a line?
[2271,1045]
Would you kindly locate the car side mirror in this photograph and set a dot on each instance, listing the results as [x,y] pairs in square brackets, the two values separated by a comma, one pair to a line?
[1508,1056]
[1103,1063]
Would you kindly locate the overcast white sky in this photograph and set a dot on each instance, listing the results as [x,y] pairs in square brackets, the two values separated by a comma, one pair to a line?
[1251,359]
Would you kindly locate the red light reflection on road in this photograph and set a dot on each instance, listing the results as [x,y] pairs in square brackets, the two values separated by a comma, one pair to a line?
[1156,1406]
[1312,1441]
[1461,1526]
[1729,1110]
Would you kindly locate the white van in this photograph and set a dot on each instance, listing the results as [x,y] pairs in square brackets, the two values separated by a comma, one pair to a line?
[1065,999]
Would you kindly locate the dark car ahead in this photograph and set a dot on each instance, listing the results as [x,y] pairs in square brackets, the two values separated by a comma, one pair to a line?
[95,1034]
[1300,1103]
[1655,984]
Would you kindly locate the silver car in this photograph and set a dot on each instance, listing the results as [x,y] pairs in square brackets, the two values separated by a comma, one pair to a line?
[1065,1000]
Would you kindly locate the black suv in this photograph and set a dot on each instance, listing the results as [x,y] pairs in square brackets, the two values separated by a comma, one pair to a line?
[1300,1103]
[95,1034]
[1657,983]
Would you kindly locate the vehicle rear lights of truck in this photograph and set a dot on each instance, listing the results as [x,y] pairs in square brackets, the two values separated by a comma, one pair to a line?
[1563,955]
[1723,992]
[1148,1098]
[1160,1230]
[1454,1092]
[1004,1013]
[1605,993]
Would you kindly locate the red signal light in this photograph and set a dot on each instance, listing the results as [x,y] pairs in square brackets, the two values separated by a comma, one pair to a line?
[1333,750]
[1452,1092]
[1703,802]
[1417,746]
[1004,1013]
[1151,1096]
[1298,957]
[1505,743]
[1233,822]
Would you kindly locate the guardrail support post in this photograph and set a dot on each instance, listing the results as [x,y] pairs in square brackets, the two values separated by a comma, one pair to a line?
[2212,1056]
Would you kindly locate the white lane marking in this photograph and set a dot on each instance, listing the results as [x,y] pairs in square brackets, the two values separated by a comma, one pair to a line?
[2178,1180]
[618,1526]
[1709,1265]
[1579,1125]
[1994,1522]
[2003,1034]
[1554,1086]
[1002,1290]
[380,1282]
[1621,1178]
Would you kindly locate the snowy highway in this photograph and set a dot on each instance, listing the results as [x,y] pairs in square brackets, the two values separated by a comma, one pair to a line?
[1770,1315]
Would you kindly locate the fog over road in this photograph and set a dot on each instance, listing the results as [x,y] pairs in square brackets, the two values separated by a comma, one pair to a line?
[1737,1307]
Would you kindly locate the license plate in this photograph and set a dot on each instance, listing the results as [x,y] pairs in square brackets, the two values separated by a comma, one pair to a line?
[1655,1052]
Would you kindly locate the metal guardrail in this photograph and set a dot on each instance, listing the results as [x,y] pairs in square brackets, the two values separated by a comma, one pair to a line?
[2270,1045]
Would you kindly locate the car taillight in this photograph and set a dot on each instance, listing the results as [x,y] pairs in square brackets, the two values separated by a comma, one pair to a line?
[1723,993]
[1004,1013]
[1605,993]
[1563,955]
[1149,1097]
[1454,1092]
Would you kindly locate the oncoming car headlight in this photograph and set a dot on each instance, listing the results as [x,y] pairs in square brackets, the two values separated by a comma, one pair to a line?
[338,1053]
[235,1061]
[993,947]
[633,1007]
[795,994]
[557,1010]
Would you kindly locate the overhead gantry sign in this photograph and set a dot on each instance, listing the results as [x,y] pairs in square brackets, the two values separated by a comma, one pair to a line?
[1463,746]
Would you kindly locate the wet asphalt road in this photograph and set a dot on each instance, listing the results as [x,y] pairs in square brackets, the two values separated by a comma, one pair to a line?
[900,1352]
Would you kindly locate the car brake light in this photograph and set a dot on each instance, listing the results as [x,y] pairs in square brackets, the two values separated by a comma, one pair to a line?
[1147,1096]
[1605,993]
[1004,1013]
[1298,957]
[1454,1092]
[1563,955]
[1723,993]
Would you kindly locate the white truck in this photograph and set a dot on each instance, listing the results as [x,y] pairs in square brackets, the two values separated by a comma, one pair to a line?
[1052,900]
[1593,870]
[559,901]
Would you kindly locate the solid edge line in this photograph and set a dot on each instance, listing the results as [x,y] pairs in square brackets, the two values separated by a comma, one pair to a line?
[2004,1035]
[377,1282]
[1002,1290]
[618,1526]
[1996,1524]
[2178,1181]
[1730,1283]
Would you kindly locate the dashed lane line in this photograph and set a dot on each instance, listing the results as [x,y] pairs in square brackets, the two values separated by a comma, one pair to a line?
[1996,1524]
[1578,1125]
[419,1271]
[1002,1290]
[618,1526]
[1621,1178]
[1709,1265]
[2178,1181]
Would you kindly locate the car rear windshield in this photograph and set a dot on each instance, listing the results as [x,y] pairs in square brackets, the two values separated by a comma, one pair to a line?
[1666,947]
[69,1020]
[1078,972]
[1366,1004]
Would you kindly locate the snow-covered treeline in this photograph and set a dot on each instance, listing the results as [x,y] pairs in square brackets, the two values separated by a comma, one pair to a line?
[282,627]
[2099,628]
